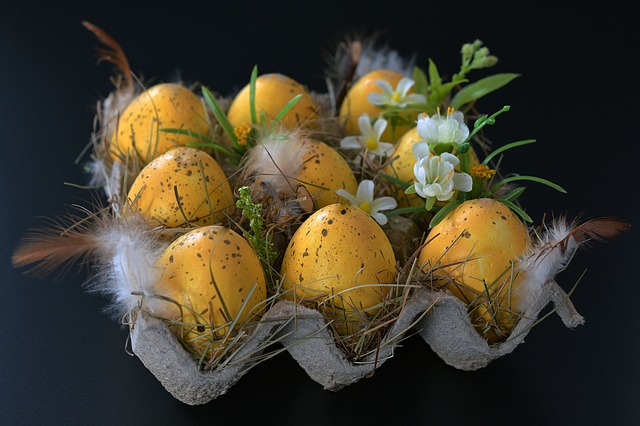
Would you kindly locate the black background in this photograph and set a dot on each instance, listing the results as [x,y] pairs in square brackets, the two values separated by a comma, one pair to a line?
[63,360]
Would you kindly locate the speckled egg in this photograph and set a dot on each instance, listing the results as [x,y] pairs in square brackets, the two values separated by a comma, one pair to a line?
[323,171]
[210,272]
[402,166]
[272,92]
[182,187]
[473,251]
[356,103]
[165,105]
[336,260]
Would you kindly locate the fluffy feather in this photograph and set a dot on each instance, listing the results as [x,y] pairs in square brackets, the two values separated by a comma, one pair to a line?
[275,159]
[122,254]
[553,250]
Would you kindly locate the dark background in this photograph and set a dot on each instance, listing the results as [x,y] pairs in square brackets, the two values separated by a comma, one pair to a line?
[64,361]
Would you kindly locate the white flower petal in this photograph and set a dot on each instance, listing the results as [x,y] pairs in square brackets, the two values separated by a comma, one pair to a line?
[385,148]
[380,218]
[383,203]
[420,150]
[462,182]
[415,98]
[365,191]
[403,86]
[450,158]
[432,190]
[364,123]
[377,99]
[385,86]
[344,194]
[379,126]
[351,142]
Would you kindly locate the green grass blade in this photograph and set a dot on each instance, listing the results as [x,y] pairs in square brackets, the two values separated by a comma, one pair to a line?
[529,178]
[252,95]
[516,209]
[506,147]
[219,114]
[443,212]
[287,107]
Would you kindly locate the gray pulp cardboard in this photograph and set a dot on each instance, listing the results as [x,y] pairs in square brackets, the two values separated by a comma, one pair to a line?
[438,317]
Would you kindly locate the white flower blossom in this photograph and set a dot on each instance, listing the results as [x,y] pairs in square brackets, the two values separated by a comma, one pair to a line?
[364,200]
[443,129]
[397,97]
[435,175]
[369,138]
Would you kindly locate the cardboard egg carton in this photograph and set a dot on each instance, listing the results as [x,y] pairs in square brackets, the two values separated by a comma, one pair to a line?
[438,317]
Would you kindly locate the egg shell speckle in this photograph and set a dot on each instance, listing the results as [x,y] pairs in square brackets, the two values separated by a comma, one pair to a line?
[194,262]
[337,249]
[202,187]
[165,105]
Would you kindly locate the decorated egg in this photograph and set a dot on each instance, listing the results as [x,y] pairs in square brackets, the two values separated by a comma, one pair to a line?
[473,253]
[288,162]
[164,106]
[356,103]
[182,187]
[272,92]
[209,277]
[341,261]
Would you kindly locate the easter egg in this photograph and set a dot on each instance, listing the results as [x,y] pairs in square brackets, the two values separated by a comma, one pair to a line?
[138,134]
[182,187]
[339,260]
[272,92]
[356,103]
[209,277]
[473,253]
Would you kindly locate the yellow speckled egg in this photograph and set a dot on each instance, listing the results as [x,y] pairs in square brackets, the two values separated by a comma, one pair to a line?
[338,258]
[182,187]
[356,103]
[273,91]
[402,167]
[324,171]
[475,248]
[165,105]
[210,272]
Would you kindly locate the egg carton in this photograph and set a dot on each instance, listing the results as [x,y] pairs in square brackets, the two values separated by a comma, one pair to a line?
[437,317]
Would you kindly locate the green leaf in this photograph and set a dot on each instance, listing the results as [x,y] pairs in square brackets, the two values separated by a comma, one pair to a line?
[219,113]
[434,75]
[530,178]
[516,209]
[421,83]
[403,210]
[506,147]
[480,88]
[443,212]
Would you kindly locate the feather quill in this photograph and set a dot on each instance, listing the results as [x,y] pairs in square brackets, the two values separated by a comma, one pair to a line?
[553,251]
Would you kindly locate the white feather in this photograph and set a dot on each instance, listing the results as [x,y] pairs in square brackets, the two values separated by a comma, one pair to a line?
[276,159]
[546,258]
[129,251]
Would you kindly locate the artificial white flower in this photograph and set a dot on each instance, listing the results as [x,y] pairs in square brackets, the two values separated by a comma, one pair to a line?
[369,137]
[443,129]
[364,200]
[435,175]
[397,97]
